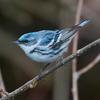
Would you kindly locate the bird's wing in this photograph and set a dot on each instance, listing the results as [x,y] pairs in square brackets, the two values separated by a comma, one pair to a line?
[48,38]
[70,32]
[65,35]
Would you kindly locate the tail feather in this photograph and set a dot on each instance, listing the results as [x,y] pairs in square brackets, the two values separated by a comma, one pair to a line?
[83,23]
[67,33]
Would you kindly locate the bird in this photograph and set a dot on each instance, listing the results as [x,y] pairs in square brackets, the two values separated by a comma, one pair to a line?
[46,46]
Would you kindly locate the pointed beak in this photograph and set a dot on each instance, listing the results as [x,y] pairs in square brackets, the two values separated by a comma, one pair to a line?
[16,42]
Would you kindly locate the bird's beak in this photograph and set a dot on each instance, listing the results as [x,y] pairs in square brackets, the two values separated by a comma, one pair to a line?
[16,42]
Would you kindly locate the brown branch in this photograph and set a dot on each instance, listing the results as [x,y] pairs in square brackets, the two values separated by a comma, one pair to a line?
[32,83]
[77,20]
[2,86]
[89,66]
[75,45]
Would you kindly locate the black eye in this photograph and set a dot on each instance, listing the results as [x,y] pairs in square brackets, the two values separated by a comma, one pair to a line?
[23,41]
[27,42]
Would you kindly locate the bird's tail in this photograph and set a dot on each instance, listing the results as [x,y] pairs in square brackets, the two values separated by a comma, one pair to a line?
[67,33]
[83,23]
[79,26]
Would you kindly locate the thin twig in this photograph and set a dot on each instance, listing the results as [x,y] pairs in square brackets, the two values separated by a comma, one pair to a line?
[2,86]
[75,45]
[77,21]
[32,83]
[89,66]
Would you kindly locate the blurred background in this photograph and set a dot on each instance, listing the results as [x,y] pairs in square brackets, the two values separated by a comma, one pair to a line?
[21,16]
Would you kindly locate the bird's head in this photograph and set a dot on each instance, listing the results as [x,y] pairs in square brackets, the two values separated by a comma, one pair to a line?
[27,41]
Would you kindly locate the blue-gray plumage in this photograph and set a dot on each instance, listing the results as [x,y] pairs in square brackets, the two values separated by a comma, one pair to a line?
[47,45]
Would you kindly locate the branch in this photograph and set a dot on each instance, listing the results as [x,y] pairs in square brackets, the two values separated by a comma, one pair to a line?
[75,40]
[2,86]
[32,83]
[75,45]
[89,66]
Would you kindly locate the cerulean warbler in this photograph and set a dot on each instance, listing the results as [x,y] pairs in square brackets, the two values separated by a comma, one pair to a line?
[48,45]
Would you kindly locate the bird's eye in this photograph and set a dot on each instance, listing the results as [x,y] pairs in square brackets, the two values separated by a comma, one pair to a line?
[27,42]
[23,41]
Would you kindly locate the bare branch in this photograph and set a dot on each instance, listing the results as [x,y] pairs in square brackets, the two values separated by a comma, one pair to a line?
[74,62]
[32,83]
[2,86]
[75,41]
[89,66]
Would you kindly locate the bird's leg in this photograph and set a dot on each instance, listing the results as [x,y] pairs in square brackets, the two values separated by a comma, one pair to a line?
[62,60]
[43,68]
